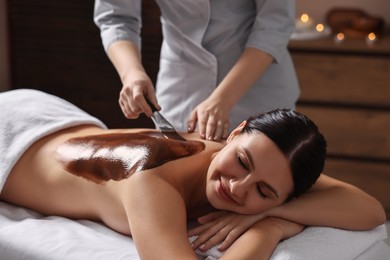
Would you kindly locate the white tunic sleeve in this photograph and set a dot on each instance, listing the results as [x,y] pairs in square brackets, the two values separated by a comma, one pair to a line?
[273,27]
[118,20]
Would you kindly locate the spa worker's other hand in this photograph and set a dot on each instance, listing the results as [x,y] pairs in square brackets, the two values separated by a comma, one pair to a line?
[135,89]
[212,118]
[221,227]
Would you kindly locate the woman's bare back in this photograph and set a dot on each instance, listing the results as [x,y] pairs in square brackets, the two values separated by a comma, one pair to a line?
[40,181]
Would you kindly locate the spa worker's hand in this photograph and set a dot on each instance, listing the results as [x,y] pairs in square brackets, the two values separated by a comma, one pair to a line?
[212,114]
[212,118]
[132,96]
[136,84]
[221,227]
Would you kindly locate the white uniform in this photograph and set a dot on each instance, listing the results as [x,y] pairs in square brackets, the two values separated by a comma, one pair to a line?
[202,41]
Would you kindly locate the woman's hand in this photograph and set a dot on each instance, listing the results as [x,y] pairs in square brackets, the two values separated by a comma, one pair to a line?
[132,96]
[261,239]
[221,227]
[286,228]
[212,118]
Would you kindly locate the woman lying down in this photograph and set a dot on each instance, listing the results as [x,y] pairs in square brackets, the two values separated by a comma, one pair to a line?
[263,185]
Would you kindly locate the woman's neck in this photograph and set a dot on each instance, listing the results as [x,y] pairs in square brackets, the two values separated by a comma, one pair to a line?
[194,190]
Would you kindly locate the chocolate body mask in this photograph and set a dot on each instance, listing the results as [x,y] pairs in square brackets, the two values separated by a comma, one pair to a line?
[117,156]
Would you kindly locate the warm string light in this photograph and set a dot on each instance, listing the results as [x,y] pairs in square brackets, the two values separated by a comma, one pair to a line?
[320,27]
[371,38]
[305,18]
[339,38]
[304,23]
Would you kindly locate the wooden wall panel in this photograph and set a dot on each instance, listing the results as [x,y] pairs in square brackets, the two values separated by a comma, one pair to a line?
[346,91]
[344,79]
[371,177]
[4,49]
[353,132]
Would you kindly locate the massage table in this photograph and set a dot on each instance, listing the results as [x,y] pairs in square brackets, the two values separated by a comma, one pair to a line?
[27,235]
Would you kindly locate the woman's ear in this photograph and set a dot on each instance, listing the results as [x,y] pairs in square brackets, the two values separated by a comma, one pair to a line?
[236,131]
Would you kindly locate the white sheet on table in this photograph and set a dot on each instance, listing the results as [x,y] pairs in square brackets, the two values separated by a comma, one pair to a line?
[25,234]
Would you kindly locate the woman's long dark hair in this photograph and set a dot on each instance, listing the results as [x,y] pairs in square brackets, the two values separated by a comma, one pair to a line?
[299,140]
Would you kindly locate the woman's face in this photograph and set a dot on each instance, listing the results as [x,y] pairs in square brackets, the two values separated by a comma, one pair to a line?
[250,175]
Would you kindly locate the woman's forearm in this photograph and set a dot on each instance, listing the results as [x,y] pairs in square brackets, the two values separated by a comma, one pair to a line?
[261,239]
[336,204]
[257,243]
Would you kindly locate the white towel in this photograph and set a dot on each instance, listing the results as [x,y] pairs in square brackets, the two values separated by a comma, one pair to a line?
[27,115]
[320,243]
[27,235]
[324,243]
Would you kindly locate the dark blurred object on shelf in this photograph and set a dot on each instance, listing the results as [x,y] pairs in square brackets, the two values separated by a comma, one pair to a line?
[354,22]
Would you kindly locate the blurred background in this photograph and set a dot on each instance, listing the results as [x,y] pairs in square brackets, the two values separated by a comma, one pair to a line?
[318,9]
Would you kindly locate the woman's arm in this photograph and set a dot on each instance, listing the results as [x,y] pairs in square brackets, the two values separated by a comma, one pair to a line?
[262,238]
[329,202]
[333,203]
[157,218]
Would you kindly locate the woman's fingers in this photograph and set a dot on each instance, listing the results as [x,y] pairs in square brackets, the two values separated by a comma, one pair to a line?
[211,216]
[222,234]
[209,237]
[233,235]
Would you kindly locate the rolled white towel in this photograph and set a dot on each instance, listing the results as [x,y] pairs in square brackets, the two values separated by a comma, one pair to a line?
[320,243]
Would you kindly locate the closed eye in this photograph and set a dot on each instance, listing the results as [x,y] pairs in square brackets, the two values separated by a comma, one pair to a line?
[241,162]
[261,193]
[267,191]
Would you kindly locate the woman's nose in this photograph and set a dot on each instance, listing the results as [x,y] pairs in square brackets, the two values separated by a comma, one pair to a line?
[239,187]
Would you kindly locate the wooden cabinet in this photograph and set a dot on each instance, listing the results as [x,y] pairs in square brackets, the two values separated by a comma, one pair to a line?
[345,89]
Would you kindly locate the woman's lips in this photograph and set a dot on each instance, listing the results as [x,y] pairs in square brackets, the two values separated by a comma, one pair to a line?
[223,193]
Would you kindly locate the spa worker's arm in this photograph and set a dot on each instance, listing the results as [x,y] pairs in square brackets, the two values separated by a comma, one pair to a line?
[120,25]
[329,202]
[271,31]
[212,114]
[136,84]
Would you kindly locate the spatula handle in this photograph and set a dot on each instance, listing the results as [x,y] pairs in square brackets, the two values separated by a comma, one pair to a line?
[154,109]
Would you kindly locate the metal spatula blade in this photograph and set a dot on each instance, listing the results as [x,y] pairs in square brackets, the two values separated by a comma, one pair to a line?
[163,124]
